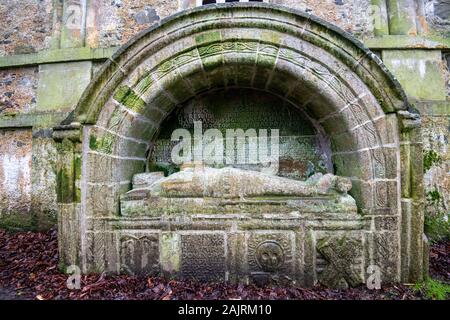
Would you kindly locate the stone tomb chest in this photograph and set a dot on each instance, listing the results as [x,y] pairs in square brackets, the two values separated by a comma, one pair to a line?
[238,225]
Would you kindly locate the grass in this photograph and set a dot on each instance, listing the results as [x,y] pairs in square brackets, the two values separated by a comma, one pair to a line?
[433,289]
[437,227]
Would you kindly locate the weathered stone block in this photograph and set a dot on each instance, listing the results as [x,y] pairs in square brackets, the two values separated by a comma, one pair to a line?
[386,223]
[139,253]
[358,164]
[15,176]
[418,71]
[54,94]
[237,257]
[386,194]
[363,193]
[406,239]
[386,248]
[194,77]
[342,265]
[44,182]
[107,168]
[170,253]
[146,179]
[130,125]
[203,256]
[69,235]
[271,257]
[402,17]
[102,198]
[108,142]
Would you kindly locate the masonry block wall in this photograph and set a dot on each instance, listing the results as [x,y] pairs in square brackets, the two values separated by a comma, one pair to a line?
[51,49]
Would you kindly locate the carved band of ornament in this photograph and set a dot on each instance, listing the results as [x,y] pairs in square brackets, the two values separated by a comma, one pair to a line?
[165,68]
[291,56]
[71,132]
[267,49]
[212,49]
[127,238]
[330,78]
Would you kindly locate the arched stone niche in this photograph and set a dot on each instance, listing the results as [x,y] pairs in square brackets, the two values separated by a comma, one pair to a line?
[340,85]
[304,147]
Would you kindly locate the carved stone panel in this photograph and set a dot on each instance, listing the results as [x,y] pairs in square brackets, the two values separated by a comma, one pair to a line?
[270,254]
[139,254]
[339,261]
[203,256]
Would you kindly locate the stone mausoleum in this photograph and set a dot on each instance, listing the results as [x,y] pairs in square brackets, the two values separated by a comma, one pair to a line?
[358,90]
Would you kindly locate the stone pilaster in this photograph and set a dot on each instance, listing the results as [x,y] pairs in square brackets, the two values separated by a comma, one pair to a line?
[380,17]
[402,17]
[412,198]
[68,139]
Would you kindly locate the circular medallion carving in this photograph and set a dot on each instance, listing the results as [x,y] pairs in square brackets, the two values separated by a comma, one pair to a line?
[270,256]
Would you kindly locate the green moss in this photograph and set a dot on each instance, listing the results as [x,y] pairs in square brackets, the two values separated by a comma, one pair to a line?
[64,187]
[77,165]
[434,196]
[437,227]
[17,222]
[430,159]
[44,220]
[208,37]
[93,142]
[167,168]
[104,144]
[412,81]
[126,96]
[433,289]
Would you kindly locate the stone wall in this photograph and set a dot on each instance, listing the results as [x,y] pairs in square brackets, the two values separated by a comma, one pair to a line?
[26,26]
[29,25]
[438,15]
[117,21]
[352,16]
[345,89]
[18,90]
[15,177]
[437,162]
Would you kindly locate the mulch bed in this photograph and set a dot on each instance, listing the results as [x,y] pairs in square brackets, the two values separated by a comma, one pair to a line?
[29,260]
[440,262]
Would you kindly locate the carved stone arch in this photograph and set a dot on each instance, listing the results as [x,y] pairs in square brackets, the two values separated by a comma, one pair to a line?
[293,55]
